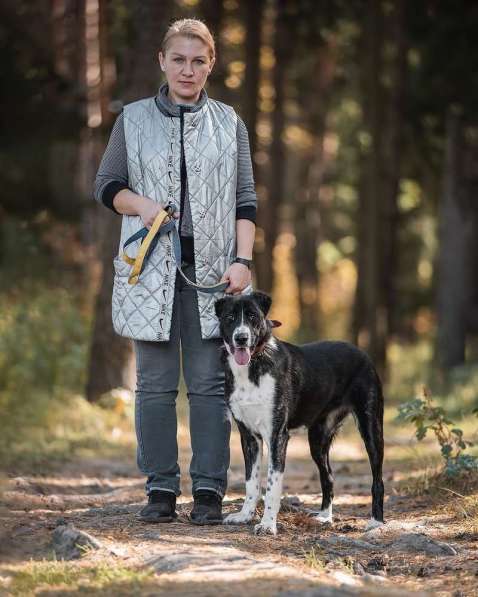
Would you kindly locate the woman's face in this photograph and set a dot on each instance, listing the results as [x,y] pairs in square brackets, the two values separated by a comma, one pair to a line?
[186,64]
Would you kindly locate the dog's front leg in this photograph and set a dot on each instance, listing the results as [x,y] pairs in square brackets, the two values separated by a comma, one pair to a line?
[275,473]
[252,450]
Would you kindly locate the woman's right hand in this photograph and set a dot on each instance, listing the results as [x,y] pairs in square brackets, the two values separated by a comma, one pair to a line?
[149,209]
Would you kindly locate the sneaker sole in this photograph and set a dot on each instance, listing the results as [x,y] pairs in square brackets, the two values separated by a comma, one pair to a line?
[155,519]
[206,522]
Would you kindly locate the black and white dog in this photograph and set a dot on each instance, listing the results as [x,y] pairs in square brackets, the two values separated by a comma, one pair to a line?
[272,386]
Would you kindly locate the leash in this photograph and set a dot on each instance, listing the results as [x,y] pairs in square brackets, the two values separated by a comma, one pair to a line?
[150,239]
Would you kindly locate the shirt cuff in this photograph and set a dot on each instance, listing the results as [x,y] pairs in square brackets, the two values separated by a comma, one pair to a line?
[109,193]
[246,212]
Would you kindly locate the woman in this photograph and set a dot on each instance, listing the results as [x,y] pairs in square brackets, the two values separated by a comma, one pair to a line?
[181,149]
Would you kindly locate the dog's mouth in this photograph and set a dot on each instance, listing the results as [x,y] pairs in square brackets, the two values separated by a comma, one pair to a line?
[241,354]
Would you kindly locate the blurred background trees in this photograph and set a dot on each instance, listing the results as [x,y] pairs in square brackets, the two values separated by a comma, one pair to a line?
[362,119]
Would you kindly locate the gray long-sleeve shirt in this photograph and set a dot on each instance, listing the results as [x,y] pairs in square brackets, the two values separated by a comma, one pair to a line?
[112,175]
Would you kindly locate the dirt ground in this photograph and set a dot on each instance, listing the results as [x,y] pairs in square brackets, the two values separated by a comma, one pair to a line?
[425,548]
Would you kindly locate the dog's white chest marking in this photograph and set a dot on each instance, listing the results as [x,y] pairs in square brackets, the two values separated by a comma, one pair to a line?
[251,404]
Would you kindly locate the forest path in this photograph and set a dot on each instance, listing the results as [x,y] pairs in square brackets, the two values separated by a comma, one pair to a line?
[424,547]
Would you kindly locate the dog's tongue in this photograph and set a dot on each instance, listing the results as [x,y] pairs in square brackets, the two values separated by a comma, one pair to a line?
[242,356]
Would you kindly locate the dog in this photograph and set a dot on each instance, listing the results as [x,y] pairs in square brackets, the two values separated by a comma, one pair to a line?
[272,386]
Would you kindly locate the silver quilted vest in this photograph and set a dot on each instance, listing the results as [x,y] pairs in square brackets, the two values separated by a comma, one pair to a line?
[143,311]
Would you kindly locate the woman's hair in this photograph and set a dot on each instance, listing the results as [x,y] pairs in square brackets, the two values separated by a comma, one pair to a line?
[192,28]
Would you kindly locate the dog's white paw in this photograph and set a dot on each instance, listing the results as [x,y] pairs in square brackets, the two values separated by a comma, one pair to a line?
[265,528]
[374,524]
[238,518]
[324,517]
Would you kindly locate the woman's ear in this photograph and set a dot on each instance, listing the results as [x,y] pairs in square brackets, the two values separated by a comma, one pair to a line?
[211,65]
[161,60]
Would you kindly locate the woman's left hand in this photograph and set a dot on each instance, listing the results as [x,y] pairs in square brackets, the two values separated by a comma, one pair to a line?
[239,276]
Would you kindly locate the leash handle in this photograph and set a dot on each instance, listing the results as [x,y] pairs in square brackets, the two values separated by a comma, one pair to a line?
[150,239]
[137,263]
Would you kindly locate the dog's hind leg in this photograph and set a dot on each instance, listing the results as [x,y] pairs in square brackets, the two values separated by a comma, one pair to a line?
[369,414]
[321,435]
[252,450]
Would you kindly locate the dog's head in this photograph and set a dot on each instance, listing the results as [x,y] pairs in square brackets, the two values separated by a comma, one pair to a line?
[244,324]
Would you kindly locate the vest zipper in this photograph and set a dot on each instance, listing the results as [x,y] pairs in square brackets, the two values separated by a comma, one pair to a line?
[182,166]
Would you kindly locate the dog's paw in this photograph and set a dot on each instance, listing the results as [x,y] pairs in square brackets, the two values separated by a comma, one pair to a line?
[374,524]
[324,517]
[265,528]
[238,518]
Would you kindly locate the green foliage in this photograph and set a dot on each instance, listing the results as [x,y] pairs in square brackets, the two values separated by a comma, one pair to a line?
[43,345]
[425,415]
[44,339]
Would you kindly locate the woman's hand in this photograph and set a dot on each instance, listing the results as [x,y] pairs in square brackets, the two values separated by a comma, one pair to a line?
[149,209]
[239,276]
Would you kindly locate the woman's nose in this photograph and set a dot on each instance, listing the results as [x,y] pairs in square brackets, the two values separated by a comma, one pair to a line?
[188,69]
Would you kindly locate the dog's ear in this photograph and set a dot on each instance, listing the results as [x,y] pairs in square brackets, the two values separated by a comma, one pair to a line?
[220,304]
[263,300]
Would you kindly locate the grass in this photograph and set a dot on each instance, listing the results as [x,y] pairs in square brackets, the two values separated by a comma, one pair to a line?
[314,558]
[466,508]
[101,578]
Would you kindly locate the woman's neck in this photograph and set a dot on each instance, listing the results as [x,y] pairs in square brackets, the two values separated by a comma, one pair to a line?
[178,100]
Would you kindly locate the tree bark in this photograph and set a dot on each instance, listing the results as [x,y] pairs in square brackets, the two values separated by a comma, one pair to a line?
[370,325]
[378,216]
[394,111]
[316,81]
[269,215]
[253,20]
[110,356]
[454,231]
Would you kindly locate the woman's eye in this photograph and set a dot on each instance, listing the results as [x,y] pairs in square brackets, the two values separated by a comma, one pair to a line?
[178,60]
[200,61]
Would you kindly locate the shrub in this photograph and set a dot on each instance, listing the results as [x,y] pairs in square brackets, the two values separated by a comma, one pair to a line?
[425,415]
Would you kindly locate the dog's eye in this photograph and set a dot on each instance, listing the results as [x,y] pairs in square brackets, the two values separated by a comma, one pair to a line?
[230,317]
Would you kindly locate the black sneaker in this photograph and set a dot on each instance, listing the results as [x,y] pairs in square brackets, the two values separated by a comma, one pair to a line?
[161,507]
[207,507]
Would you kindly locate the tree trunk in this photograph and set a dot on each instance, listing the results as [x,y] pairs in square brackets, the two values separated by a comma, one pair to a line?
[452,262]
[109,356]
[316,83]
[269,215]
[253,20]
[391,154]
[370,327]
[378,216]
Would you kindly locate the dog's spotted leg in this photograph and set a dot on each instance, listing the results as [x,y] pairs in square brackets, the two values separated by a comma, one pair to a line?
[275,474]
[252,449]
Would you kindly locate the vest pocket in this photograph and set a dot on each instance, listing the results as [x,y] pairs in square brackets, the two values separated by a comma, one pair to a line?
[129,315]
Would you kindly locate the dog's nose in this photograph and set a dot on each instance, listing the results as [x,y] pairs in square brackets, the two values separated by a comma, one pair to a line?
[241,339]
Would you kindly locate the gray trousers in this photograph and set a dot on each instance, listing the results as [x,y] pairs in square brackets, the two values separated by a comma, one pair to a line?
[157,368]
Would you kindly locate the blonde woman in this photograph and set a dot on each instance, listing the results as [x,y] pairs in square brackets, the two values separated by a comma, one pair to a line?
[183,150]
